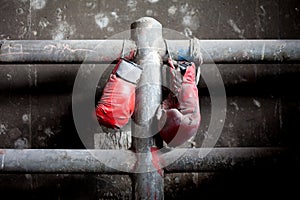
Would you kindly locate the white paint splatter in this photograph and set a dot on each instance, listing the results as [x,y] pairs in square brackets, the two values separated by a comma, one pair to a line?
[190,21]
[188,32]
[110,29]
[37,4]
[183,8]
[63,31]
[44,23]
[91,5]
[236,28]
[256,103]
[3,129]
[101,20]
[8,76]
[190,16]
[48,132]
[153,1]
[25,118]
[172,10]
[235,106]
[131,4]
[21,143]
[263,11]
[59,15]
[20,11]
[149,12]
[115,15]
[186,21]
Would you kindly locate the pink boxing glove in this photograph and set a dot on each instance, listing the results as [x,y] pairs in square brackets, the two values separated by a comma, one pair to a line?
[179,114]
[117,102]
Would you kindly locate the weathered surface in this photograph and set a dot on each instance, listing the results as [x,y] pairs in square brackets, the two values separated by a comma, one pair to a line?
[216,51]
[262,110]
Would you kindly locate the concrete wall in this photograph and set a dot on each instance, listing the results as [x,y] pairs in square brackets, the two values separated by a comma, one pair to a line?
[263,104]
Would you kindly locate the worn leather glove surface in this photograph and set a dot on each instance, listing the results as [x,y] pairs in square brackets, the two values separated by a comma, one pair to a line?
[179,114]
[116,104]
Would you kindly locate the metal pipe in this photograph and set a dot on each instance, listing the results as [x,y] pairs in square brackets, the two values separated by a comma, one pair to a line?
[62,51]
[221,159]
[147,183]
[240,51]
[93,161]
[65,161]
[214,51]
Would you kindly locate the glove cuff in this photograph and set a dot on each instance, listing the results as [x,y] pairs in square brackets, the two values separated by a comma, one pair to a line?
[129,71]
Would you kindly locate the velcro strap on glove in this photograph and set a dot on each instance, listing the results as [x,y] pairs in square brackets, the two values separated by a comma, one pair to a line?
[129,71]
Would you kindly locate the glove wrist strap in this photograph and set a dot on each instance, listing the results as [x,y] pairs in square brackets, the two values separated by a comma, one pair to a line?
[129,71]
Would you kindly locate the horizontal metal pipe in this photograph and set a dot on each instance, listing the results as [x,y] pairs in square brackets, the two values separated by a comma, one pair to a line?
[240,51]
[220,159]
[62,51]
[65,161]
[88,161]
[106,51]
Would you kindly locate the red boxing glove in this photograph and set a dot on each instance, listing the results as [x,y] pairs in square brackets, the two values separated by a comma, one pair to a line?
[117,102]
[179,114]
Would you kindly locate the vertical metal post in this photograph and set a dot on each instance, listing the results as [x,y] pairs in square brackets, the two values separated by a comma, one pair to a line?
[147,182]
